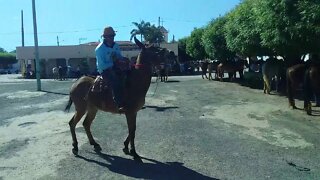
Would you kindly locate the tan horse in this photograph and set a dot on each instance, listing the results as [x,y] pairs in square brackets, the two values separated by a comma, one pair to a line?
[137,85]
[271,69]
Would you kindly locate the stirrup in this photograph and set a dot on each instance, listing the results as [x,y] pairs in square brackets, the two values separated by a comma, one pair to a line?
[122,110]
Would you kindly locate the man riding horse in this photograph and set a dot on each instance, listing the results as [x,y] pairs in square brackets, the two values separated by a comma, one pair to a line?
[107,53]
[136,87]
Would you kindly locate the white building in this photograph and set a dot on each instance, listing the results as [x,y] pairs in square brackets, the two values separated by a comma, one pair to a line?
[54,56]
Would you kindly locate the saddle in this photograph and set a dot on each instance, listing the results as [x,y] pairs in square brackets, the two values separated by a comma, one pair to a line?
[99,85]
[120,68]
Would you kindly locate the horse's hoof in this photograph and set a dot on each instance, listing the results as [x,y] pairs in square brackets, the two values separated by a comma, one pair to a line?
[126,151]
[97,148]
[136,157]
[134,153]
[75,151]
[308,111]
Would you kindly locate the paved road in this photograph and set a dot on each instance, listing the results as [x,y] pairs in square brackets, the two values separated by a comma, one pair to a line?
[190,129]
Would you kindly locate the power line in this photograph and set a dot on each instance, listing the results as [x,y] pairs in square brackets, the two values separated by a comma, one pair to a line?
[186,21]
[65,32]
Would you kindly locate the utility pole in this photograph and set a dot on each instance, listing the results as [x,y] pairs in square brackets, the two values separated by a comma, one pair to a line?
[160,22]
[22,29]
[36,45]
[58,40]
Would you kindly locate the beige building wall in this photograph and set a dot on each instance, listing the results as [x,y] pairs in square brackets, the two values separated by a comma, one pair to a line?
[53,56]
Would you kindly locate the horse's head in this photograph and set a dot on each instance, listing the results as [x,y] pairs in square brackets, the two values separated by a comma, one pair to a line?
[151,55]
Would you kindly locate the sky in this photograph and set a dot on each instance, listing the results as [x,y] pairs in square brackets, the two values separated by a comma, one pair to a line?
[80,21]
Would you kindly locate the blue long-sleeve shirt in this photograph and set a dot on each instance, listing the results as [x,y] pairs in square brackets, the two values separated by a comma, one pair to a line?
[104,56]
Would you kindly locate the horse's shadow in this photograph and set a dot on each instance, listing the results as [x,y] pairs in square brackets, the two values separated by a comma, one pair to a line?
[157,108]
[172,81]
[169,81]
[145,170]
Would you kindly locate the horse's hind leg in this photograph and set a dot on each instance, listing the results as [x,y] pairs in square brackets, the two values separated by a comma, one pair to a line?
[72,123]
[87,124]
[267,86]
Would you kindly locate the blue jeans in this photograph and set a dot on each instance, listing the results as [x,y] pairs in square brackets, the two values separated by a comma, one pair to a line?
[114,82]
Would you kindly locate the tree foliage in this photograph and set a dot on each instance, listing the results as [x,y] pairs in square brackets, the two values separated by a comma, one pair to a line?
[2,50]
[194,46]
[258,28]
[242,34]
[141,29]
[7,58]
[154,35]
[290,28]
[182,46]
[214,42]
[148,32]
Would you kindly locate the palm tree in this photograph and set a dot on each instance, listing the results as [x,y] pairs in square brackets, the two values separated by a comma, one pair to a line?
[142,29]
[154,35]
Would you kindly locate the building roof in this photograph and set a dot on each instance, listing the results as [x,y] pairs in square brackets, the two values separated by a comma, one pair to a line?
[163,30]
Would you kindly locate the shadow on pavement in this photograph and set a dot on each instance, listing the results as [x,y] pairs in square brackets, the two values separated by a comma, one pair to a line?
[157,108]
[146,170]
[169,81]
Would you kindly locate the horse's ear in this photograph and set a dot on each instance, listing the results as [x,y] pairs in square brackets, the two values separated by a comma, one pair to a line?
[139,43]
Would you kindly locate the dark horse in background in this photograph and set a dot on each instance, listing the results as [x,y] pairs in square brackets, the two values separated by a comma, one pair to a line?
[137,84]
[272,70]
[311,86]
[232,67]
[304,76]
[204,69]
[212,67]
[294,78]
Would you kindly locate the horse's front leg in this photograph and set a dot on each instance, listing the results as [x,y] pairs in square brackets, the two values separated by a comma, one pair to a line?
[131,122]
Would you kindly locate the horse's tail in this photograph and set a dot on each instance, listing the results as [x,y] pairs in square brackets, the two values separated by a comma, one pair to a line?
[68,105]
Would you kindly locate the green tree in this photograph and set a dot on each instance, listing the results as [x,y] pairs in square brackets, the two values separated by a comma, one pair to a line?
[2,50]
[141,29]
[194,45]
[214,40]
[289,28]
[182,51]
[242,34]
[309,12]
[154,35]
[6,59]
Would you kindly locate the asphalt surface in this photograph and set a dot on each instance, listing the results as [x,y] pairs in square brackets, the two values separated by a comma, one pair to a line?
[190,129]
